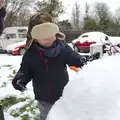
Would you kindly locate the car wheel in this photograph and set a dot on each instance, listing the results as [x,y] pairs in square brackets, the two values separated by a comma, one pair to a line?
[76,48]
[22,51]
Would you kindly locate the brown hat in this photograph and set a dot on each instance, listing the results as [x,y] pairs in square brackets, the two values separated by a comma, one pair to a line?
[46,30]
[37,18]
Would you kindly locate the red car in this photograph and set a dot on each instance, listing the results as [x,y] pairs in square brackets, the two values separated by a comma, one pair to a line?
[82,47]
[83,42]
[17,48]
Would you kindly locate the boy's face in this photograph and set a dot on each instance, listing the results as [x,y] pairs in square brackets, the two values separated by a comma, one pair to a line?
[48,42]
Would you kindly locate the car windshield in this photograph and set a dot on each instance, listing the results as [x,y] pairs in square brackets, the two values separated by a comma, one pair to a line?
[92,37]
[84,39]
[97,37]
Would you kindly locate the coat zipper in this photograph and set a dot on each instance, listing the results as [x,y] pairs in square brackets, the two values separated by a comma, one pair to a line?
[46,70]
[49,82]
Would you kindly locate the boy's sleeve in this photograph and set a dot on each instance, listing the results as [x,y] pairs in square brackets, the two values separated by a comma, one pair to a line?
[23,76]
[72,58]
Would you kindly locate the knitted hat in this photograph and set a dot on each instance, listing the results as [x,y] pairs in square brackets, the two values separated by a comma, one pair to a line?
[46,30]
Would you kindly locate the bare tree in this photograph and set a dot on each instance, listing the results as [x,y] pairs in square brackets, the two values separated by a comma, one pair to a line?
[89,21]
[76,16]
[87,10]
[117,16]
[52,7]
[103,15]
[117,19]
[13,7]
[101,10]
[23,17]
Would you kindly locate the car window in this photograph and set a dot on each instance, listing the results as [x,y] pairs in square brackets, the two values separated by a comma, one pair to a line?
[22,35]
[22,30]
[84,36]
[104,38]
[10,36]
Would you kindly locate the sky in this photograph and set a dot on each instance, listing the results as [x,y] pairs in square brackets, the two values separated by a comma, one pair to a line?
[113,4]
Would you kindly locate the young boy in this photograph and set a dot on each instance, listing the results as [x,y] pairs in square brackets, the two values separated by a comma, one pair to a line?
[45,63]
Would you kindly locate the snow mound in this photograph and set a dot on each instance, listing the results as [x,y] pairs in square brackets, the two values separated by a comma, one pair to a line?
[92,94]
[8,117]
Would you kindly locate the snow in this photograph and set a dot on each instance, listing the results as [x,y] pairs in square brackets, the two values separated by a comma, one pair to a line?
[5,71]
[96,44]
[91,94]
[70,44]
[8,117]
[114,40]
[12,60]
[7,65]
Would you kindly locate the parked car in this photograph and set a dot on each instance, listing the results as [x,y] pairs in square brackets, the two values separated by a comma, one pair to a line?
[17,48]
[12,35]
[83,42]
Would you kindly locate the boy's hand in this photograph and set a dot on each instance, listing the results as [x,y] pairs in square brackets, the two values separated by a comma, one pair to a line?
[83,61]
[19,85]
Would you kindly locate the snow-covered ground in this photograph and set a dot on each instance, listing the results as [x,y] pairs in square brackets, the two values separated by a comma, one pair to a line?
[8,67]
[8,117]
[91,94]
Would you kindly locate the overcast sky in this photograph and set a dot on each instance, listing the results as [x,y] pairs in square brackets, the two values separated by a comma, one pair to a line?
[113,4]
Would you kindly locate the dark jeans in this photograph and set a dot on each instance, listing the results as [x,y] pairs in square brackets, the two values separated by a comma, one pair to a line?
[44,108]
